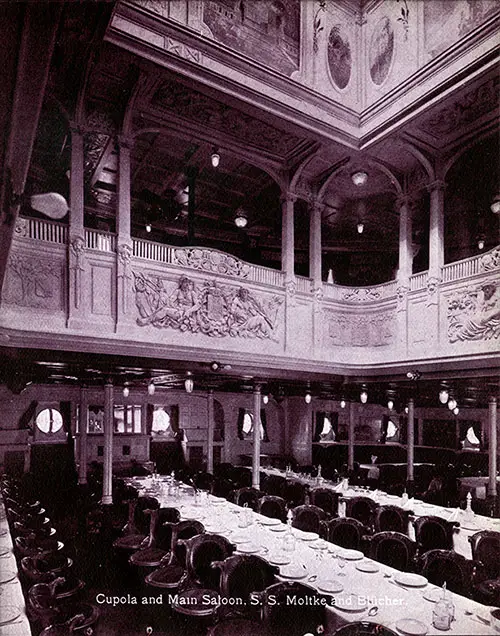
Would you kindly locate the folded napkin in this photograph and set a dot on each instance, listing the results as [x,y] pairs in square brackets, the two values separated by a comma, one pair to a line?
[409,504]
[454,515]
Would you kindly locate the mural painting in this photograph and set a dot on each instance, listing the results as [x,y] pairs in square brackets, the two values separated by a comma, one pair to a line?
[266,31]
[339,57]
[212,309]
[446,21]
[381,50]
[474,314]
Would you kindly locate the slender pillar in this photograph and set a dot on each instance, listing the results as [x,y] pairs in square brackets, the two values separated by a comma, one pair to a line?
[83,415]
[410,445]
[192,173]
[351,435]
[287,237]
[256,437]
[315,245]
[76,252]
[123,216]
[76,182]
[210,433]
[436,229]
[493,447]
[107,498]
[405,243]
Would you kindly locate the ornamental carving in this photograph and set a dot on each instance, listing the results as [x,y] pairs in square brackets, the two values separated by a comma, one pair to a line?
[381,50]
[211,261]
[181,50]
[351,330]
[361,295]
[402,298]
[21,228]
[160,8]
[94,147]
[490,261]
[189,104]
[474,314]
[124,254]
[212,309]
[432,289]
[33,282]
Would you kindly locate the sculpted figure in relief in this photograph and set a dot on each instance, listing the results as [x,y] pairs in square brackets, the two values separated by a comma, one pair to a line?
[475,315]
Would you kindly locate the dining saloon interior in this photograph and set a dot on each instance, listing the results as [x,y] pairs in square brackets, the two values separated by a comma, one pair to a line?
[250,317]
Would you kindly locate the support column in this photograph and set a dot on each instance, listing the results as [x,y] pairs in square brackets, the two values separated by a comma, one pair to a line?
[436,229]
[351,435]
[410,446]
[493,448]
[107,497]
[210,433]
[315,245]
[124,241]
[287,238]
[256,437]
[405,243]
[76,251]
[83,416]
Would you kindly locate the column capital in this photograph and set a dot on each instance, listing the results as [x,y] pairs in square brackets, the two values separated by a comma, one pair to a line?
[403,199]
[288,197]
[76,129]
[492,400]
[437,185]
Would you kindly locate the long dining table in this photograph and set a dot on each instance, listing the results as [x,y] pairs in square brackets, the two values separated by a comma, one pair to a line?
[13,618]
[468,524]
[356,588]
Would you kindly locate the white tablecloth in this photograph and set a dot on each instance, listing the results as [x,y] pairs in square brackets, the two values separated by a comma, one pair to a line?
[394,602]
[11,594]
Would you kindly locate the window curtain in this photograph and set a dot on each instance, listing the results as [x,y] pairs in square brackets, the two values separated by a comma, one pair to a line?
[174,418]
[334,419]
[26,419]
[320,421]
[241,417]
[150,409]
[384,428]
[263,421]
[464,427]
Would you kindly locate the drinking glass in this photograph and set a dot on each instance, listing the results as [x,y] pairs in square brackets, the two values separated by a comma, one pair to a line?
[341,564]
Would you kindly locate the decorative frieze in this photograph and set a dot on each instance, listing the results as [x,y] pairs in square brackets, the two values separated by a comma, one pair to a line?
[353,330]
[211,261]
[474,314]
[211,308]
[33,282]
[490,261]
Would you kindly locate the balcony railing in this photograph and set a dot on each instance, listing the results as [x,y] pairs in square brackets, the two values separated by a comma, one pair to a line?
[471,266]
[303,284]
[100,241]
[41,230]
[360,294]
[418,281]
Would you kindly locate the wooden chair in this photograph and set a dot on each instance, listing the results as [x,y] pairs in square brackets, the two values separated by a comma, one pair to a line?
[485,546]
[392,548]
[272,506]
[295,493]
[326,499]
[308,518]
[446,566]
[159,540]
[247,497]
[391,519]
[343,531]
[362,509]
[433,533]
[364,628]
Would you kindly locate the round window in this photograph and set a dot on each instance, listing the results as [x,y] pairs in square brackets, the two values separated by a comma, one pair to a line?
[49,421]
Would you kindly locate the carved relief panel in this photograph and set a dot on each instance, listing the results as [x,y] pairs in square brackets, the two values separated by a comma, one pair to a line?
[356,330]
[210,308]
[34,282]
[474,314]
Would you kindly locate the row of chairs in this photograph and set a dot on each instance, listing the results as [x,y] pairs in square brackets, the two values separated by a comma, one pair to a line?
[54,594]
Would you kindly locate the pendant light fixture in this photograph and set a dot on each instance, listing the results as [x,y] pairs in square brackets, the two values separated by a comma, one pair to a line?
[151,388]
[126,391]
[359,178]
[363,396]
[189,383]
[215,157]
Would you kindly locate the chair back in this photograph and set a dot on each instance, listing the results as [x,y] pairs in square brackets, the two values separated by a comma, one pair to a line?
[272,506]
[447,566]
[433,533]
[308,518]
[391,518]
[241,575]
[180,532]
[394,549]
[326,499]
[201,551]
[290,609]
[142,518]
[204,481]
[344,531]
[362,509]
[161,528]
[295,493]
[247,496]
[275,485]
[485,546]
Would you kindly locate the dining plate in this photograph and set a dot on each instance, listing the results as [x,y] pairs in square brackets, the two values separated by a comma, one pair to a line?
[411,627]
[293,571]
[351,555]
[214,527]
[280,528]
[4,551]
[270,521]
[409,579]
[240,538]
[305,536]
[9,613]
[217,500]
[367,566]
[433,594]
[249,548]
[351,603]
[278,559]
[7,575]
[330,585]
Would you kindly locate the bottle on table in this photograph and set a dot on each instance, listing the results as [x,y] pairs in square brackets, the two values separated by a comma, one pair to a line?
[443,612]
